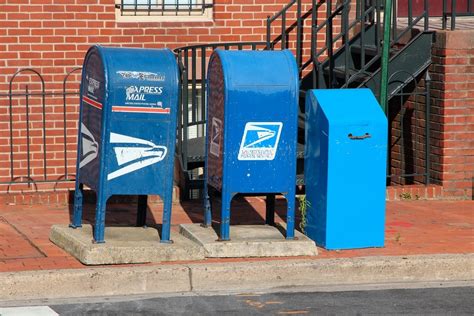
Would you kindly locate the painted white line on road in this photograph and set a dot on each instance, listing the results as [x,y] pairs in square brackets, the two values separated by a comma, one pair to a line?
[28,311]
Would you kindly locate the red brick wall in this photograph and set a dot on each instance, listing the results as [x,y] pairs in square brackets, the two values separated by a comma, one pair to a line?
[52,37]
[453,113]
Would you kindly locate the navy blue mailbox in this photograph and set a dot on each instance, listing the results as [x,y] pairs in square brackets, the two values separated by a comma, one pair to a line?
[127,129]
[345,168]
[252,129]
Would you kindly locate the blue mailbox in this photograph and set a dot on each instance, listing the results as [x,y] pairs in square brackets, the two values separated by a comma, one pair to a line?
[251,129]
[127,129]
[345,168]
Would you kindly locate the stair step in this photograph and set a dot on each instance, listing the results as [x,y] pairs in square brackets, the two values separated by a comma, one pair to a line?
[370,50]
[341,74]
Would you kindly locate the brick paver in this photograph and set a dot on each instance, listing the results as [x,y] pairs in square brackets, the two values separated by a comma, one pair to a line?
[412,227]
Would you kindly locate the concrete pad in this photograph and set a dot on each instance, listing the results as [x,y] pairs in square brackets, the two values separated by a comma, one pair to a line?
[123,245]
[249,241]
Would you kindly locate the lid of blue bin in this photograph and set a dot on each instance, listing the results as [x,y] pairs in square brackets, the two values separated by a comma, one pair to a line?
[349,106]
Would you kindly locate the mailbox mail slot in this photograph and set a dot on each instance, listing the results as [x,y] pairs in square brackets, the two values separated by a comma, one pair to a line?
[127,129]
[251,129]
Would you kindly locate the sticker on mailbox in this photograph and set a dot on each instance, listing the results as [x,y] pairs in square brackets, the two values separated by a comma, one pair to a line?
[216,132]
[260,140]
[134,153]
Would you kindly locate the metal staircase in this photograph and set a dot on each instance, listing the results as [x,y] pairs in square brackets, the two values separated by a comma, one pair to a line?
[349,58]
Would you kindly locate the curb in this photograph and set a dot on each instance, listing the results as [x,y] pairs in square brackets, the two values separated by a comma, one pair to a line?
[232,276]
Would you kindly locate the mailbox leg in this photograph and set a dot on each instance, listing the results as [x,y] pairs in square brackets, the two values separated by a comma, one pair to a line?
[207,208]
[141,210]
[99,229]
[77,215]
[225,216]
[270,209]
[290,215]
[165,228]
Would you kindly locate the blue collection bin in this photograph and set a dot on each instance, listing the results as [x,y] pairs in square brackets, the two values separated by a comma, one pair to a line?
[127,129]
[345,168]
[251,129]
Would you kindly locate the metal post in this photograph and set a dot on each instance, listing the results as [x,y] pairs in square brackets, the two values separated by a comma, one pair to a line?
[385,55]
[453,15]
[427,125]
[299,33]
[268,32]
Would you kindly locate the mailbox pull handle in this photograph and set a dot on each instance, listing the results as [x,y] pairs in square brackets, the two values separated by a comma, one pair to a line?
[352,137]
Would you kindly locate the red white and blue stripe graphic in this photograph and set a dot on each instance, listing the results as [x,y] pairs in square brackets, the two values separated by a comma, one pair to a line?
[139,109]
[91,102]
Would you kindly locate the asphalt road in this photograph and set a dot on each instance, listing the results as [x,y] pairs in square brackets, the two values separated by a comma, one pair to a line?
[427,301]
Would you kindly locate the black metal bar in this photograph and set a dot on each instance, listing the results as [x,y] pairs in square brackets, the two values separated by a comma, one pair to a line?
[185,107]
[362,36]
[180,105]
[283,31]
[11,130]
[377,27]
[203,83]
[345,30]
[453,15]
[193,86]
[445,15]
[426,15]
[44,131]
[329,44]
[427,126]
[27,104]
[268,32]
[410,13]
[299,34]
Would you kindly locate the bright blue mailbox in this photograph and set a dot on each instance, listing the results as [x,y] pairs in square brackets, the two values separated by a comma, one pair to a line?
[127,129]
[345,168]
[252,129]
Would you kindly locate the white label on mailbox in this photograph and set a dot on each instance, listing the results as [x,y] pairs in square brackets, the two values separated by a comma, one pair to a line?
[215,145]
[90,148]
[260,141]
[134,153]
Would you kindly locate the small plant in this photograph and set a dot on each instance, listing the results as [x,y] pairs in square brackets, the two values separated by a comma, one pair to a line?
[405,196]
[303,207]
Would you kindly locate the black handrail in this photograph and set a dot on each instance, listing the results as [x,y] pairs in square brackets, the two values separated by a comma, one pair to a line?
[455,12]
[283,36]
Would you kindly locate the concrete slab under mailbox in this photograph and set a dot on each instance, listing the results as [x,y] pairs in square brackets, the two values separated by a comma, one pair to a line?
[250,241]
[123,245]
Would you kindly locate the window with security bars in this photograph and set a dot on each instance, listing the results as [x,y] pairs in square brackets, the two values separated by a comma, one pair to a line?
[163,7]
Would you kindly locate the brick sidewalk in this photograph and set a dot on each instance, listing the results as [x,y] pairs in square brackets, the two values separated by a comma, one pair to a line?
[412,228]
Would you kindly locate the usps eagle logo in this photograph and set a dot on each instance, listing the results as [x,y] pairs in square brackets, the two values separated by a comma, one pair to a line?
[260,141]
[134,153]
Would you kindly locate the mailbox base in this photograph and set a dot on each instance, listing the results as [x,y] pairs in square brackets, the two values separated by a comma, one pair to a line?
[250,241]
[124,245]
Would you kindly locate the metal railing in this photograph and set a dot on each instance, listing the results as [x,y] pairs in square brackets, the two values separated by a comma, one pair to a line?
[29,146]
[454,12]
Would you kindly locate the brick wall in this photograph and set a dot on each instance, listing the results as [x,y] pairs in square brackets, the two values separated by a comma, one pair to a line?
[453,113]
[51,37]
